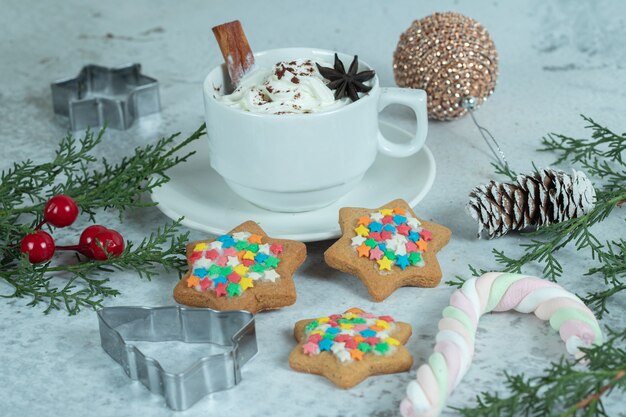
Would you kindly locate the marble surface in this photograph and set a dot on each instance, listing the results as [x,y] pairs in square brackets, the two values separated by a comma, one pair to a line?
[557,59]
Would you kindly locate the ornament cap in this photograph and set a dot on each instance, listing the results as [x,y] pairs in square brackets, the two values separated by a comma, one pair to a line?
[468,102]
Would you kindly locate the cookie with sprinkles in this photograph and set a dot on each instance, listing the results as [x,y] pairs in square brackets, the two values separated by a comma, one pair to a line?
[350,347]
[388,247]
[244,269]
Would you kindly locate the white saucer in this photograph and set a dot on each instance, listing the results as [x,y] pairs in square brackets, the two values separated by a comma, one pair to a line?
[198,193]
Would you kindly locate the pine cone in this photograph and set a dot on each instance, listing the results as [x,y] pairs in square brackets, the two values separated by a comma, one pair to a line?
[545,197]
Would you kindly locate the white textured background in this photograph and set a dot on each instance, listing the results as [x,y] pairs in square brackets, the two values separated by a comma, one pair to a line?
[557,59]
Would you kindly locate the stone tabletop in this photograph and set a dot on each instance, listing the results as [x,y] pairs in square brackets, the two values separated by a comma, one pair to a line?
[557,60]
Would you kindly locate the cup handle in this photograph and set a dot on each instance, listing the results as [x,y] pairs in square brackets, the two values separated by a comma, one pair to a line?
[414,99]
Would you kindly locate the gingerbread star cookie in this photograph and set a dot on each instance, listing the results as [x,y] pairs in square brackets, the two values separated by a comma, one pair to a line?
[242,270]
[388,248]
[347,348]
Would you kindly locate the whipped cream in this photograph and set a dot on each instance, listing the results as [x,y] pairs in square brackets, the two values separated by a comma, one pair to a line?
[293,87]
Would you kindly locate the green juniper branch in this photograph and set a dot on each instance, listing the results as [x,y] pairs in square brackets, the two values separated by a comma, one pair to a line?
[567,388]
[604,144]
[163,248]
[571,388]
[26,187]
[602,156]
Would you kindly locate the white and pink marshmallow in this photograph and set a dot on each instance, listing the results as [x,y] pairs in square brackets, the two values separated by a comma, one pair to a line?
[493,292]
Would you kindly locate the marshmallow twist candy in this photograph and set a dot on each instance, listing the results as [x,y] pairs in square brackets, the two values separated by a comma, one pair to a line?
[493,291]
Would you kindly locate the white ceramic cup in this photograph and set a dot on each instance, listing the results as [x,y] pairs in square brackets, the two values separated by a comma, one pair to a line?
[301,162]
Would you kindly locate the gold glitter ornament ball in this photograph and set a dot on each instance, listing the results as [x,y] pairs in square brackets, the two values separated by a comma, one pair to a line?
[450,56]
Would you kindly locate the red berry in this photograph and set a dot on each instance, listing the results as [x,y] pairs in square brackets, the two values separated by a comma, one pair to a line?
[39,246]
[87,236]
[60,211]
[109,239]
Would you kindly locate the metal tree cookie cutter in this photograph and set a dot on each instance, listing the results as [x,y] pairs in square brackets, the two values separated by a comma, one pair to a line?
[233,329]
[101,95]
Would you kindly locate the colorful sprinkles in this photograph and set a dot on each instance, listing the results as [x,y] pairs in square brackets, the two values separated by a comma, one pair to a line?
[391,238]
[351,335]
[231,264]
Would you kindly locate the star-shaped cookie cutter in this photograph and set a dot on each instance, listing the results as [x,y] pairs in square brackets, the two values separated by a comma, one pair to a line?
[101,95]
[119,326]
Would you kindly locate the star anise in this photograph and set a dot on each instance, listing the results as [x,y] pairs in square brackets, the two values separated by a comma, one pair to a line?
[346,84]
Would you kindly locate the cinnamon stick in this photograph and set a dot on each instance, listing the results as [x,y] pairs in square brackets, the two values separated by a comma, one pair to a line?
[235,49]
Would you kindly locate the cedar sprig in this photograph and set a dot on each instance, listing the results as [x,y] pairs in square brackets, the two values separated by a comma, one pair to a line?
[601,156]
[26,187]
[604,144]
[80,284]
[120,186]
[25,180]
[567,388]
